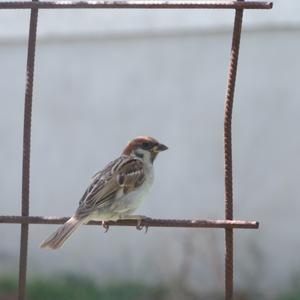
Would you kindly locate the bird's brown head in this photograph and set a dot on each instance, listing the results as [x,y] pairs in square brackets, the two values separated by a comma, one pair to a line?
[144,147]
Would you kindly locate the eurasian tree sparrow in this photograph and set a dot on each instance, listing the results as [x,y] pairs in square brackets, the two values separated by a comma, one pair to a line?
[115,192]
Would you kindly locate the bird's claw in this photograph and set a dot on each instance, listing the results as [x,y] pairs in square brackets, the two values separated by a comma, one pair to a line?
[140,227]
[105,226]
[146,228]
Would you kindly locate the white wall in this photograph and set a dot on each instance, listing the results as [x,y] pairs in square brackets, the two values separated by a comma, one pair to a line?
[97,88]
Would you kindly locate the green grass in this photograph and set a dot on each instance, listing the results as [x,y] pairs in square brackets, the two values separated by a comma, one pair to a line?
[8,285]
[294,295]
[78,288]
[64,287]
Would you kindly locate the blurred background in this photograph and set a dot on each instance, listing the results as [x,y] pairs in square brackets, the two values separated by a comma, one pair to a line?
[103,77]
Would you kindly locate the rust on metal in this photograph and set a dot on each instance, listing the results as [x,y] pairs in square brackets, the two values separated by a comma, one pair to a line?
[228,151]
[228,224]
[26,151]
[174,4]
[147,222]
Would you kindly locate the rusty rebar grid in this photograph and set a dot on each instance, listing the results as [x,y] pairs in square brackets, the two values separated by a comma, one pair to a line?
[147,4]
[228,224]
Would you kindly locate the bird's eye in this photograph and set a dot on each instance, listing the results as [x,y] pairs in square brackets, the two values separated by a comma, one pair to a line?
[146,145]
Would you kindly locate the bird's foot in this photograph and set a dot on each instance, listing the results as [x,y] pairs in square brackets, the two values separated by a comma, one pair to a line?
[105,226]
[139,225]
[139,219]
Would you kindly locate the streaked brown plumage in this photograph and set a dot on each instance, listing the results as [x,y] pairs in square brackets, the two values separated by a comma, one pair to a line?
[116,191]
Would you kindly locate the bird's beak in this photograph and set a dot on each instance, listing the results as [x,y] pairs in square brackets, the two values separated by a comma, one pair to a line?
[160,147]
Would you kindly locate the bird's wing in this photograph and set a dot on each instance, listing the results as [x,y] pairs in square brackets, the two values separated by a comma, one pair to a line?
[118,178]
[131,175]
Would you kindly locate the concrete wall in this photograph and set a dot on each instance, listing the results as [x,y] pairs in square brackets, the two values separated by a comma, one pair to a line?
[118,75]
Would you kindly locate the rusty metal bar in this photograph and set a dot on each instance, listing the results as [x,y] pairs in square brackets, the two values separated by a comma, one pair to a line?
[148,222]
[138,4]
[228,151]
[26,151]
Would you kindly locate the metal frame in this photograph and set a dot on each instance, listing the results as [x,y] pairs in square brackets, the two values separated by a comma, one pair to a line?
[228,224]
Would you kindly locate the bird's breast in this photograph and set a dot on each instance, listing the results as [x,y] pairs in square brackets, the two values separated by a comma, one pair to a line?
[133,199]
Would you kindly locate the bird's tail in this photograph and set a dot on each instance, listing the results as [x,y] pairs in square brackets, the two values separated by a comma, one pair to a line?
[56,239]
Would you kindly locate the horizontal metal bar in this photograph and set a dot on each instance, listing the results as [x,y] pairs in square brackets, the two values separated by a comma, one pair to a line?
[174,4]
[147,222]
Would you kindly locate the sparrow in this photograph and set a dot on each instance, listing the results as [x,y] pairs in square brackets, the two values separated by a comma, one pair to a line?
[115,192]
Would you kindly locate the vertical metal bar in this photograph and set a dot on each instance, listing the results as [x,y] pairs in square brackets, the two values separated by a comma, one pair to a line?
[228,152]
[26,150]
